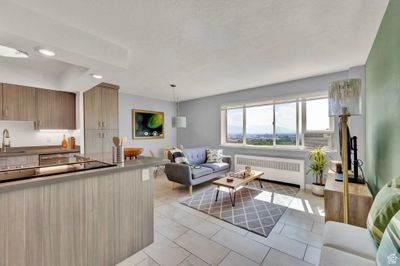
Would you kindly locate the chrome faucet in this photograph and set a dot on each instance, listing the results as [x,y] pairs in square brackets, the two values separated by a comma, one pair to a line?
[6,135]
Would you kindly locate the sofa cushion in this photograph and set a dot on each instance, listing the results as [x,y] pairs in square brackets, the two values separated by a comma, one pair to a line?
[216,167]
[201,171]
[385,206]
[214,156]
[335,257]
[196,155]
[389,249]
[350,239]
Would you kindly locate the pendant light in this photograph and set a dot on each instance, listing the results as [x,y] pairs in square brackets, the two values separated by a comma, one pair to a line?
[177,121]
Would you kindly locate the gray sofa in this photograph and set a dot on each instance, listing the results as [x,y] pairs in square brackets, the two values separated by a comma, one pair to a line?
[187,176]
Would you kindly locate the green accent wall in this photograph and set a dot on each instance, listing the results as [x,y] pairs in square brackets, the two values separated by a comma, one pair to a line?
[383,102]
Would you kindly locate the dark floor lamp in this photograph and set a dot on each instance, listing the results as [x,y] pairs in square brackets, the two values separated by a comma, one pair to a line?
[345,101]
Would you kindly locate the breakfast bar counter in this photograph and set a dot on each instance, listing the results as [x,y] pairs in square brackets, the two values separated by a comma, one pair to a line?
[95,217]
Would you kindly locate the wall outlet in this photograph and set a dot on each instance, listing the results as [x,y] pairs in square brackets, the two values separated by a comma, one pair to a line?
[145,174]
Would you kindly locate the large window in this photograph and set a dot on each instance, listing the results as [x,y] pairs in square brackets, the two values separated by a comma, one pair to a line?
[277,123]
[234,125]
[317,115]
[260,125]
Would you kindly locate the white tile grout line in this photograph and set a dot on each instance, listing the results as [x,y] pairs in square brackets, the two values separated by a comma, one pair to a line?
[266,255]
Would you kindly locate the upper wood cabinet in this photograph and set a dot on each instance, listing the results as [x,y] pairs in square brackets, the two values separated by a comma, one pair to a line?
[55,110]
[110,107]
[49,109]
[18,103]
[101,107]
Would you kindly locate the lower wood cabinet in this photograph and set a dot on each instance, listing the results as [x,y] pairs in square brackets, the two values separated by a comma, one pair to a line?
[99,141]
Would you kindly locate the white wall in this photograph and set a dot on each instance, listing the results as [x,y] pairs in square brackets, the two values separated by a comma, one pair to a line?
[127,102]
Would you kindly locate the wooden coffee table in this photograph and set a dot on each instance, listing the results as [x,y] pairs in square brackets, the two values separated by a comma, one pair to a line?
[237,182]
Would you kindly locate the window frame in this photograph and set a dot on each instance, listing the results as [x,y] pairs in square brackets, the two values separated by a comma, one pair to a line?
[301,104]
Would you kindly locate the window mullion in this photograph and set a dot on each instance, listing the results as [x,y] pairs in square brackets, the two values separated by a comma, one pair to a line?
[226,126]
[244,126]
[297,123]
[273,124]
[303,119]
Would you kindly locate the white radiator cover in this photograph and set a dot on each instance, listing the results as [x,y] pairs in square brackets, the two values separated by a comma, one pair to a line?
[277,169]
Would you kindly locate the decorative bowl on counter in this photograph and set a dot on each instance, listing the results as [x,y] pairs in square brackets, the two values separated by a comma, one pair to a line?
[132,153]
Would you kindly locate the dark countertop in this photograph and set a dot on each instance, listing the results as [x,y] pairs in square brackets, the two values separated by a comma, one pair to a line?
[36,150]
[129,165]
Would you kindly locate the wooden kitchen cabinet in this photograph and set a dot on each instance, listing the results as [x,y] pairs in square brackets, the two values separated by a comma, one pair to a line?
[18,103]
[100,117]
[93,141]
[93,109]
[55,110]
[107,139]
[98,142]
[101,107]
[110,107]
[49,109]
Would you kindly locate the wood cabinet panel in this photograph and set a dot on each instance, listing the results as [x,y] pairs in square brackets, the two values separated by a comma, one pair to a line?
[109,103]
[96,220]
[67,109]
[101,115]
[19,103]
[93,141]
[56,110]
[99,141]
[107,139]
[93,109]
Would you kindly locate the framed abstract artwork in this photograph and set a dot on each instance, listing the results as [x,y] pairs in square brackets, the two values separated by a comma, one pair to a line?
[147,124]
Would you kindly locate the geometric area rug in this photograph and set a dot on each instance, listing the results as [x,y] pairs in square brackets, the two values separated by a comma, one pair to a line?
[256,209]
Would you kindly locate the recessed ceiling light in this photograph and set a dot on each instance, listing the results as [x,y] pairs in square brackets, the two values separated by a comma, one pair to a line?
[46,52]
[96,76]
[12,52]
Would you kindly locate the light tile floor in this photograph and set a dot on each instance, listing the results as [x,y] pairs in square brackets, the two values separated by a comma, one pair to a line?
[184,236]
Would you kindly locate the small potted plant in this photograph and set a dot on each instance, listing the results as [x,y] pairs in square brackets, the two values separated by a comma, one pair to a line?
[317,167]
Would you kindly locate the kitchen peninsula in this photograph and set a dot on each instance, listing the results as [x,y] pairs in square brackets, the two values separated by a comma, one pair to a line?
[91,217]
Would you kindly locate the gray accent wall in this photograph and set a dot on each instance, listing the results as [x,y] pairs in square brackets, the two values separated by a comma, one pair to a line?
[204,115]
[127,102]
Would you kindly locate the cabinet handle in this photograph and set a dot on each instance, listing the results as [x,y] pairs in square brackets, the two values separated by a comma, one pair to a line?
[99,124]
[103,124]
[38,123]
[103,135]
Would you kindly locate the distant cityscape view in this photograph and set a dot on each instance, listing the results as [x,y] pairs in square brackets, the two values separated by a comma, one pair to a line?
[263,139]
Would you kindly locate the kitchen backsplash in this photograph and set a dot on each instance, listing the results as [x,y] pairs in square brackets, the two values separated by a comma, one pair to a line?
[22,133]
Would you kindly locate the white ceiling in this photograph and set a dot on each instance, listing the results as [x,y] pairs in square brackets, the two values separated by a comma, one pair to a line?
[206,47]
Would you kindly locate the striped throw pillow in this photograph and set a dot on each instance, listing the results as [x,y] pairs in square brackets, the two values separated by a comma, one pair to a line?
[389,249]
[386,204]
